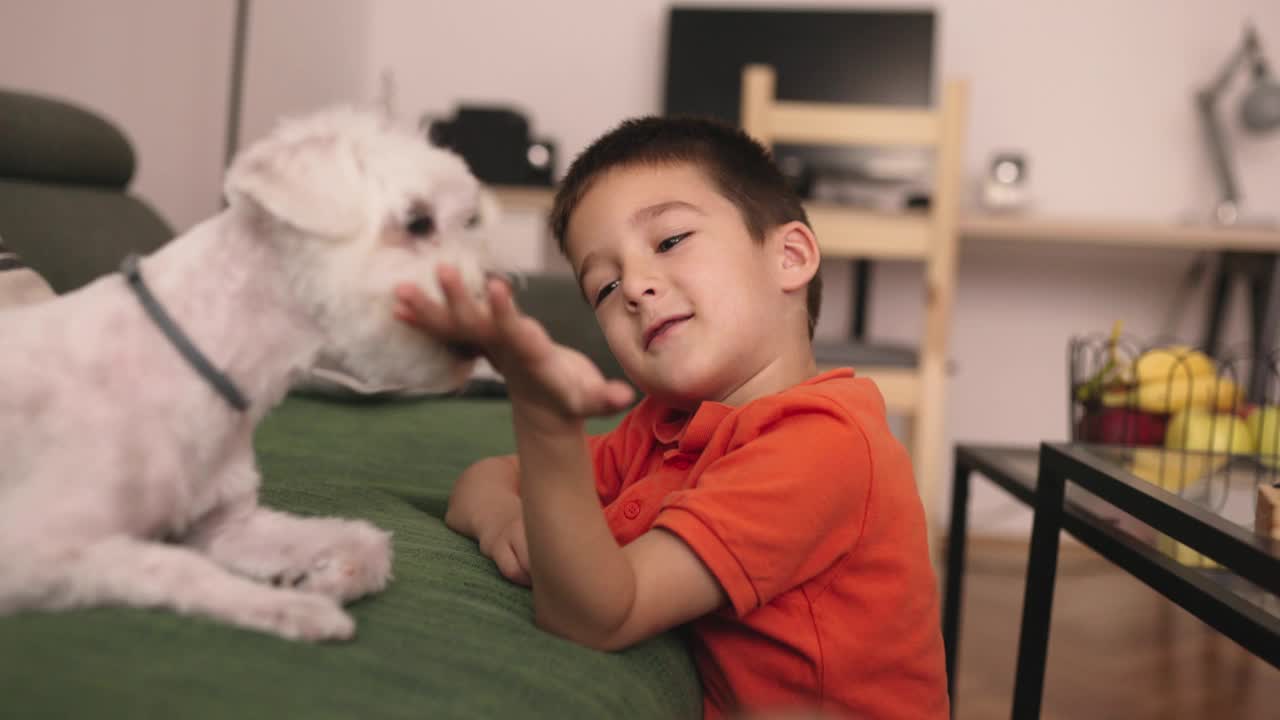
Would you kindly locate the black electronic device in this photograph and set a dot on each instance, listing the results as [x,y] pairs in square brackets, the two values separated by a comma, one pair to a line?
[881,57]
[496,144]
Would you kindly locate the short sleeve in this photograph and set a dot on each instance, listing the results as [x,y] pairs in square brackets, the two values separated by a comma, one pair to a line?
[785,502]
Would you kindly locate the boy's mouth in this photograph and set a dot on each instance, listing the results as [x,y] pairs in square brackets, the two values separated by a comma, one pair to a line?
[662,327]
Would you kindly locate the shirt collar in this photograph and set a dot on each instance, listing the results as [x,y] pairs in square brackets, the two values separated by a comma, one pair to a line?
[691,431]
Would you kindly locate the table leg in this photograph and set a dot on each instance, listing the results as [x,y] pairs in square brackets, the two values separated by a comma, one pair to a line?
[955,571]
[1217,304]
[1037,604]
[861,291]
[1266,318]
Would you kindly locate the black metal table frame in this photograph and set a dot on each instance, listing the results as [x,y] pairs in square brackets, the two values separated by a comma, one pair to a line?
[1059,463]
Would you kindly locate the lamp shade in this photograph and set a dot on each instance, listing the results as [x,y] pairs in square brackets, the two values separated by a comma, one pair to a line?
[1260,110]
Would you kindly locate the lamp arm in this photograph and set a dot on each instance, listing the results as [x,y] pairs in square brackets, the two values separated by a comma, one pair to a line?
[1206,99]
[1217,147]
[1241,54]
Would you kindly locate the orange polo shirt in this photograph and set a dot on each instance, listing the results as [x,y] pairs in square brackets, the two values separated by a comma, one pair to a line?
[804,508]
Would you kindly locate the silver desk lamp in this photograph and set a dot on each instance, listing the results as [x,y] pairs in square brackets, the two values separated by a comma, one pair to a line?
[1259,113]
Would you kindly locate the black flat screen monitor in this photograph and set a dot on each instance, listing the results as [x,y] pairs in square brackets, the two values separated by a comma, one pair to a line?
[855,56]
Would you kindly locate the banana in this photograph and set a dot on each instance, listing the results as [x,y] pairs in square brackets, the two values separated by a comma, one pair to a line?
[1174,470]
[1205,392]
[1172,362]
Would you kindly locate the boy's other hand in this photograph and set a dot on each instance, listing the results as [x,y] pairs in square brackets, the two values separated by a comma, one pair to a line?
[508,547]
[538,371]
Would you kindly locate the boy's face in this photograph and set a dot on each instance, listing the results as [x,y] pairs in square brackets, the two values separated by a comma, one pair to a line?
[690,303]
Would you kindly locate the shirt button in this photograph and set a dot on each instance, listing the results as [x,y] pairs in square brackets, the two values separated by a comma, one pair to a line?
[631,510]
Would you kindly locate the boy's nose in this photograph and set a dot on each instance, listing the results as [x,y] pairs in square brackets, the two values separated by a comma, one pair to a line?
[640,290]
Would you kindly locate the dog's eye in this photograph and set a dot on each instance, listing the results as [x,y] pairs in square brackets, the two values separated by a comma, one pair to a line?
[421,226]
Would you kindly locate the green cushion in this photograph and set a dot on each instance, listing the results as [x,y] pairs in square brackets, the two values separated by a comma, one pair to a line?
[449,638]
[47,140]
[72,234]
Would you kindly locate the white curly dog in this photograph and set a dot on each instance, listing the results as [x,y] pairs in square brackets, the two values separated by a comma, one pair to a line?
[128,407]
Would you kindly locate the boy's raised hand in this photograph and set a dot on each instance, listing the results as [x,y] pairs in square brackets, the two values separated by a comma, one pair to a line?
[538,371]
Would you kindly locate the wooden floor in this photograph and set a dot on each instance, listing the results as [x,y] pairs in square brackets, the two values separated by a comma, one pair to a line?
[1117,649]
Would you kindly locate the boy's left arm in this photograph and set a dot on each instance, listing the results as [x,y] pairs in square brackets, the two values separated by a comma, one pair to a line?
[586,588]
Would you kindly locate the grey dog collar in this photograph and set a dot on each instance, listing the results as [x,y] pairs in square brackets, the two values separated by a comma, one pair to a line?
[133,278]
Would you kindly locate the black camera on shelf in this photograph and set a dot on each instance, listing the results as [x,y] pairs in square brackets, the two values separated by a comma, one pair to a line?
[496,144]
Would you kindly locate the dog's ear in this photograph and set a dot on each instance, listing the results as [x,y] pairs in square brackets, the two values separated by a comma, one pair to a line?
[313,182]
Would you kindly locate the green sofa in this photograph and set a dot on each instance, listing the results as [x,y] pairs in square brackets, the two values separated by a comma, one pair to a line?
[449,638]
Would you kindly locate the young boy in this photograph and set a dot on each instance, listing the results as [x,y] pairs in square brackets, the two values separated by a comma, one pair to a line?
[747,494]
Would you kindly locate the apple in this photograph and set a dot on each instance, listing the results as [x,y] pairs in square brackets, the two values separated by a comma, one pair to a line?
[1264,425]
[1121,426]
[1204,431]
[1244,409]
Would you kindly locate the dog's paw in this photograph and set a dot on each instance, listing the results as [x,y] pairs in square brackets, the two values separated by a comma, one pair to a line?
[355,562]
[298,616]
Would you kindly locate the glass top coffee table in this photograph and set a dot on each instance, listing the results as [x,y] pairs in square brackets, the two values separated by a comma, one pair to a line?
[1183,523]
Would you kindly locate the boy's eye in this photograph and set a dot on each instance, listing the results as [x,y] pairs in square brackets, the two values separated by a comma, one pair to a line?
[604,292]
[672,241]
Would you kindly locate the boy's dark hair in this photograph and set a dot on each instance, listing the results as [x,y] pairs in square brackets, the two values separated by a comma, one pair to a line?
[741,169]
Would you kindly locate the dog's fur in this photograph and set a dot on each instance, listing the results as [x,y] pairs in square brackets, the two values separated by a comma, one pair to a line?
[126,480]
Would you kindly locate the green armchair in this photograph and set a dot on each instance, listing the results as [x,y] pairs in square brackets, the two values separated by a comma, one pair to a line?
[64,201]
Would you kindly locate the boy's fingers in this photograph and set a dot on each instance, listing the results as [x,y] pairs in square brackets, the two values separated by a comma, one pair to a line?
[405,312]
[500,299]
[604,397]
[611,397]
[410,294]
[520,548]
[463,308]
[510,568]
[524,331]
[455,291]
[618,395]
[521,574]
[402,312]
[422,310]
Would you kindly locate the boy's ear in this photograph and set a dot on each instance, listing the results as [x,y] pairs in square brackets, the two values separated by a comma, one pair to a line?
[798,255]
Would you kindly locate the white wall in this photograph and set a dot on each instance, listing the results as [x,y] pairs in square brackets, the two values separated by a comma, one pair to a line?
[157,68]
[1097,93]
[160,69]
[301,55]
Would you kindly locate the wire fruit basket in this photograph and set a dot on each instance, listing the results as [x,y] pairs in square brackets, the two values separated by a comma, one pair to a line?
[1182,419]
